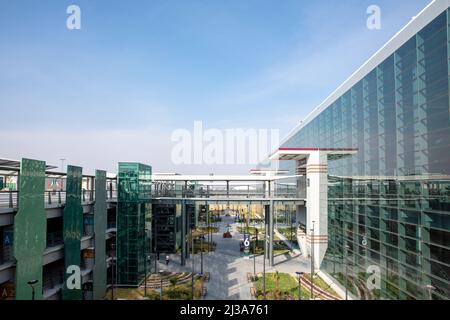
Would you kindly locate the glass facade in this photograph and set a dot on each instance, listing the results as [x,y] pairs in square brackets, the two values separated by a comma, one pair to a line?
[390,203]
[133,215]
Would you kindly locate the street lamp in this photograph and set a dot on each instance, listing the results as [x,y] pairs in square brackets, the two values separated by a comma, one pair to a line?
[32,283]
[430,288]
[113,253]
[264,261]
[145,264]
[156,244]
[201,256]
[192,274]
[312,260]
[347,247]
[300,275]
[161,279]
[254,252]
[147,261]
[62,163]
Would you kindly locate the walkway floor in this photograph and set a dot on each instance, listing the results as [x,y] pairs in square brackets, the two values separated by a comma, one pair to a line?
[228,268]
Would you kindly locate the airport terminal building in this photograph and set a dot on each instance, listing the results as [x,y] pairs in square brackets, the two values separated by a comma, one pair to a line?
[388,203]
[364,182]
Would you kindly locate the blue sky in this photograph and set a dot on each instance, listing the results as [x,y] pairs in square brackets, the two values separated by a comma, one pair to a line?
[116,89]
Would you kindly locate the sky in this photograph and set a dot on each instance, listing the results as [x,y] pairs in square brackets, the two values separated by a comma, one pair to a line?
[136,71]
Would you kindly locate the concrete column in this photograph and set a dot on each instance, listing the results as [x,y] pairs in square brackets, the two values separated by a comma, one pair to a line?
[317,204]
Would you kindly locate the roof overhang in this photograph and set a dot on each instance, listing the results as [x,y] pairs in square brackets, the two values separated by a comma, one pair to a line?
[15,164]
[223,178]
[287,154]
[268,172]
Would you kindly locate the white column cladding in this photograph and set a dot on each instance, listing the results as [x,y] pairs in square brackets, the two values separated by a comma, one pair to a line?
[317,204]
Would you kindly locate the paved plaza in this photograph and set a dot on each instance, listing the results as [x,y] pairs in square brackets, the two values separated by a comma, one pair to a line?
[228,268]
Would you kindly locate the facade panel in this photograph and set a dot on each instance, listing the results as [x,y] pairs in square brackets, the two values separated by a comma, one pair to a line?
[30,230]
[72,230]
[387,202]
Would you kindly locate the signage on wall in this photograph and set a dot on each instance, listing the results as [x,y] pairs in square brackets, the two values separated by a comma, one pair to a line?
[89,220]
[7,291]
[8,238]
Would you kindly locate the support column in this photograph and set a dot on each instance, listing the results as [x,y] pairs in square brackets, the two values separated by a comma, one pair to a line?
[317,205]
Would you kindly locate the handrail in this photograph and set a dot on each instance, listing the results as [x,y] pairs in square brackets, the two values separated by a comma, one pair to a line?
[10,199]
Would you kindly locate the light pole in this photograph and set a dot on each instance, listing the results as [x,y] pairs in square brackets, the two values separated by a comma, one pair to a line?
[346,270]
[201,256]
[207,228]
[300,275]
[62,164]
[145,264]
[192,275]
[156,245]
[292,229]
[254,252]
[430,288]
[113,253]
[264,261]
[161,284]
[312,261]
[149,261]
[32,283]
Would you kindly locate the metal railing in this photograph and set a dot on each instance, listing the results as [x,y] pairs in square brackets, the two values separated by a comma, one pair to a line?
[6,255]
[10,199]
[55,197]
